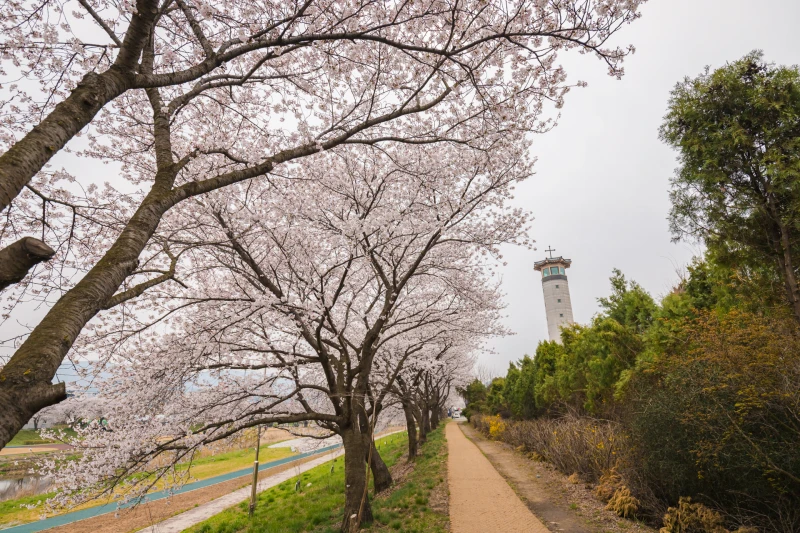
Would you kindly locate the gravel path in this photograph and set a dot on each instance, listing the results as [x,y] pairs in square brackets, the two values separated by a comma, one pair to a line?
[480,499]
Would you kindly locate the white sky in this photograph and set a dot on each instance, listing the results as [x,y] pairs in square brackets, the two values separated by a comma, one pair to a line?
[600,193]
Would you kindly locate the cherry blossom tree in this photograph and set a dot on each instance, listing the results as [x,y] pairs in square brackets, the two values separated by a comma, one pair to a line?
[303,300]
[206,103]
[426,382]
[77,68]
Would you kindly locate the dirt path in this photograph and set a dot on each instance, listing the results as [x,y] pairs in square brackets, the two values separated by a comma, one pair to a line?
[480,499]
[561,505]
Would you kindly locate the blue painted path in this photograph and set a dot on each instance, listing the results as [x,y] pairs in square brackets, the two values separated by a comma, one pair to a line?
[74,516]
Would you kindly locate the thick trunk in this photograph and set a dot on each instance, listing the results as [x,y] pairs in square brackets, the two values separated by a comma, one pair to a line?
[27,156]
[426,419]
[381,477]
[411,426]
[418,415]
[25,381]
[18,258]
[356,499]
[434,408]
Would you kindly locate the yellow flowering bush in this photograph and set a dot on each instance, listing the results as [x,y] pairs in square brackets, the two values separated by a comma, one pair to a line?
[497,427]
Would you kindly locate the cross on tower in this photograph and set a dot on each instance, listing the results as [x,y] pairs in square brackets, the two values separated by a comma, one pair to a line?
[551,250]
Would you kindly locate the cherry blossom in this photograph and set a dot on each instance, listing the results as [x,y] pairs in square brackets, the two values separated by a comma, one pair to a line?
[198,104]
[304,298]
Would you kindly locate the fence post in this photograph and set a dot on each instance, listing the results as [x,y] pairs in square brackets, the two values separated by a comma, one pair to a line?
[255,475]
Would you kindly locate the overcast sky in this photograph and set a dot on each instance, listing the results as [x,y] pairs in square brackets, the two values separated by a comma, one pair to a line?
[600,193]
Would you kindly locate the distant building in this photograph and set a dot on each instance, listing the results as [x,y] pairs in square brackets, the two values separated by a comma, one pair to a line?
[557,303]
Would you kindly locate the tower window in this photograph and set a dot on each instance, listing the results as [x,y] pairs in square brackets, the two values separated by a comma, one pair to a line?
[563,272]
[561,315]
[559,300]
[556,286]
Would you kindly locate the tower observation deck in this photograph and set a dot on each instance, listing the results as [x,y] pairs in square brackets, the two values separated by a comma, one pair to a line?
[555,285]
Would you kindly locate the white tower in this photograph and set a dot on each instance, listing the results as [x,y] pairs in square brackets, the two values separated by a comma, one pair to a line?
[557,303]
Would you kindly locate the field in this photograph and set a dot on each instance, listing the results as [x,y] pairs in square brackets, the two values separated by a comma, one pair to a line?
[30,437]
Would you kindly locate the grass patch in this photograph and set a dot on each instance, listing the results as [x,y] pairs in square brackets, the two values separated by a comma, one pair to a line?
[317,508]
[30,437]
[12,512]
[215,465]
[413,506]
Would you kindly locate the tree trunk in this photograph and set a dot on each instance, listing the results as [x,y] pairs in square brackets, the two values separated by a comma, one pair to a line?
[423,435]
[787,265]
[18,258]
[27,156]
[426,419]
[434,408]
[25,381]
[355,479]
[381,477]
[411,426]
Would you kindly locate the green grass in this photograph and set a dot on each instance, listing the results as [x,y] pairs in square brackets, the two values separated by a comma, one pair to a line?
[30,437]
[12,512]
[223,463]
[317,508]
[407,509]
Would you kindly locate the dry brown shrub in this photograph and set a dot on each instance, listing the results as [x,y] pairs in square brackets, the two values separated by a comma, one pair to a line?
[623,503]
[690,517]
[535,456]
[571,444]
[480,423]
[574,479]
[586,447]
[610,482]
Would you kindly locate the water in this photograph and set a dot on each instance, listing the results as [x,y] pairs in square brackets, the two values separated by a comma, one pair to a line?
[11,489]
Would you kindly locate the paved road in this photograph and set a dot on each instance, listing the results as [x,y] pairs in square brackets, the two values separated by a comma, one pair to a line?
[480,499]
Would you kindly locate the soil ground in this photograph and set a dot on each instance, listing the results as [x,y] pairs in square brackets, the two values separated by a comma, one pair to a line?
[560,504]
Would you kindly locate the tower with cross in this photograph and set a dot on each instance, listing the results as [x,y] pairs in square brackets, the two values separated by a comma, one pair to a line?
[557,303]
